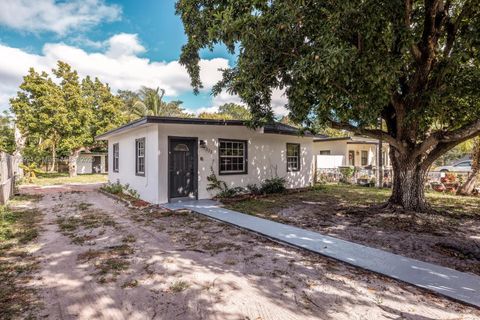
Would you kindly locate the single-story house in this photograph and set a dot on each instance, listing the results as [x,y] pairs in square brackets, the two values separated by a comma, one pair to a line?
[92,162]
[165,159]
[357,151]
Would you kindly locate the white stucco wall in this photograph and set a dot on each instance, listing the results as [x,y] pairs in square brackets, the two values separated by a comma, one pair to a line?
[266,158]
[146,186]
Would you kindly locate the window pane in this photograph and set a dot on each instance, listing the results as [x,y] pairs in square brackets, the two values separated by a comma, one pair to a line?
[232,156]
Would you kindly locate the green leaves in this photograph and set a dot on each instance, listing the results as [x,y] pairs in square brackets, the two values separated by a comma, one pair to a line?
[68,112]
[347,61]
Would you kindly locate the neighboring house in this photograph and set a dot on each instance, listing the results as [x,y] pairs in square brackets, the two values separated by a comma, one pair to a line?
[167,159]
[357,151]
[96,162]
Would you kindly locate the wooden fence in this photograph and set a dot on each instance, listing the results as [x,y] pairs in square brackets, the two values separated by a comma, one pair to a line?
[8,170]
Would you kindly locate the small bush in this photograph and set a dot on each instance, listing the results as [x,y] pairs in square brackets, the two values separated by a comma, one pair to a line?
[113,188]
[118,188]
[254,189]
[274,185]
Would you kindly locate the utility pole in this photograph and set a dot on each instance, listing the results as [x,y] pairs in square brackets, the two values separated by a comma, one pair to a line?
[380,158]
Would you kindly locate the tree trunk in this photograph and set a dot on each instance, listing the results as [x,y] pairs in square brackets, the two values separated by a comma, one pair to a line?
[408,183]
[469,185]
[54,158]
[20,141]
[72,162]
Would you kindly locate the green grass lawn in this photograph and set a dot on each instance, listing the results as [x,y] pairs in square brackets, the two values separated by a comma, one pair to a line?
[354,196]
[48,179]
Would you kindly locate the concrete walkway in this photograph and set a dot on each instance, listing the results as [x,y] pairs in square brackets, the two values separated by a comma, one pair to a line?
[464,287]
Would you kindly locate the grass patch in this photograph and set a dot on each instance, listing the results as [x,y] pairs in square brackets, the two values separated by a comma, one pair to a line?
[109,262]
[179,286]
[49,179]
[89,220]
[17,228]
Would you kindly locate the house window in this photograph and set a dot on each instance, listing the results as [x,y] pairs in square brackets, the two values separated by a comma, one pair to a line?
[293,156]
[140,157]
[324,152]
[232,156]
[364,158]
[116,157]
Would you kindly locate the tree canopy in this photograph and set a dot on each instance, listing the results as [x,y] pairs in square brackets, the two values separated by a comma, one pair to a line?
[228,111]
[65,112]
[345,64]
[150,102]
[7,141]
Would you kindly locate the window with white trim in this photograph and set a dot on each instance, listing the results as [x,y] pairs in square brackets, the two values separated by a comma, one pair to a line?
[232,156]
[140,157]
[364,158]
[293,157]
[116,157]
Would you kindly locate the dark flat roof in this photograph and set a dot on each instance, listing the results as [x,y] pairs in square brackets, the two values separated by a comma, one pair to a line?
[276,128]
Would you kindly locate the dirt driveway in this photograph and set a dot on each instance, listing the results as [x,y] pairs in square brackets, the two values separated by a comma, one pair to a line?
[101,260]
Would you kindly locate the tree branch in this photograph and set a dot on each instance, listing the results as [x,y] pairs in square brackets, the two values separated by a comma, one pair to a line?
[466,132]
[372,133]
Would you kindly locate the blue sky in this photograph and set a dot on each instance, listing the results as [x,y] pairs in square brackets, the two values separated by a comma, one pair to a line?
[124,43]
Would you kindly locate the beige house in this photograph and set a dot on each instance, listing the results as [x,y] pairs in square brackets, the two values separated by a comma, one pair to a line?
[357,151]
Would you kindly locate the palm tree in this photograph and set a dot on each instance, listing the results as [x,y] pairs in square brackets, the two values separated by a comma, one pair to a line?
[150,103]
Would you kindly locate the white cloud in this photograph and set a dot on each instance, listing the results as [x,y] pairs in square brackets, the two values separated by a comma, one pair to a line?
[55,16]
[124,44]
[119,66]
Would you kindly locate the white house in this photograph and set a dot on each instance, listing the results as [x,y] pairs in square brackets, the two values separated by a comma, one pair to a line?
[88,163]
[165,159]
[357,151]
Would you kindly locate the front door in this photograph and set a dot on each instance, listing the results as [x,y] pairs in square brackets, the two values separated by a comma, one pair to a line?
[182,163]
[97,164]
[351,158]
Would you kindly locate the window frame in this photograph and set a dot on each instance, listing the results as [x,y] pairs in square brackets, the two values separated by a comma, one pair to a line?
[299,158]
[116,157]
[245,157]
[363,152]
[137,156]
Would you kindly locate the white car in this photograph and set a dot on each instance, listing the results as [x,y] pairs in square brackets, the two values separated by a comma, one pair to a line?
[459,166]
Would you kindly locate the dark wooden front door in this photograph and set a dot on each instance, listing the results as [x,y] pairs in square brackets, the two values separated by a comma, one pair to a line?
[97,164]
[182,163]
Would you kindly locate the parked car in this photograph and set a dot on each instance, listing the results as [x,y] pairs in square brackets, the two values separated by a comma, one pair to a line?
[459,166]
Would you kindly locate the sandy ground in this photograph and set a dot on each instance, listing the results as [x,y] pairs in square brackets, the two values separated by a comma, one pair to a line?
[449,239]
[101,260]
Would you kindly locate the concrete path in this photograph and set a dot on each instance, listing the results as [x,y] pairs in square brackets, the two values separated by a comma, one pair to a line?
[464,287]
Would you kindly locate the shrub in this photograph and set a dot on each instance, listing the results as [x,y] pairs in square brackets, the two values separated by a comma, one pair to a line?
[113,188]
[274,185]
[118,188]
[254,189]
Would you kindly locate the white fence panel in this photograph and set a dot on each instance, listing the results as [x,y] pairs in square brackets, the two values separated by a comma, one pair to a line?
[329,161]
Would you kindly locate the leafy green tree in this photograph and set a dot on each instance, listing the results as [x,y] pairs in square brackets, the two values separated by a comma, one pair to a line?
[7,140]
[40,113]
[69,114]
[228,111]
[235,111]
[149,102]
[345,64]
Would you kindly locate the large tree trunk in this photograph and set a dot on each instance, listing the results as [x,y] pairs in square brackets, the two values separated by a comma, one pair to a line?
[469,185]
[408,183]
[54,158]
[20,141]
[72,162]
